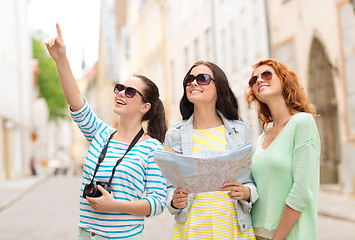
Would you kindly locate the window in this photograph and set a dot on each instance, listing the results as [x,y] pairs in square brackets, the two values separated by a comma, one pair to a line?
[224,49]
[347,23]
[233,51]
[186,58]
[173,95]
[208,45]
[285,53]
[196,50]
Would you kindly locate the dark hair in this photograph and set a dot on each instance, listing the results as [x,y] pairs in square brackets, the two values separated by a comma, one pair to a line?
[292,91]
[157,126]
[227,102]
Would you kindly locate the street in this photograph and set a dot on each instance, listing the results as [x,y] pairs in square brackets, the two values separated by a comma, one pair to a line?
[50,211]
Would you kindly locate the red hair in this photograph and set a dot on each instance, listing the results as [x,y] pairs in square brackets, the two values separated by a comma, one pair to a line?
[293,93]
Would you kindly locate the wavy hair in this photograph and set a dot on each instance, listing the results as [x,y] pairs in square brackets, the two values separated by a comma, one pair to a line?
[292,92]
[227,102]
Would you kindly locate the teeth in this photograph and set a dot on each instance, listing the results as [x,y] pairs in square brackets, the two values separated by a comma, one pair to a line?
[120,102]
[262,87]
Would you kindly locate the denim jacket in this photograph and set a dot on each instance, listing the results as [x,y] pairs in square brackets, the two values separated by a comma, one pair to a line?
[179,139]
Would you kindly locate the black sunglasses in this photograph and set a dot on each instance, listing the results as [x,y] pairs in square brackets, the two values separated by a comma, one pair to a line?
[129,91]
[201,79]
[266,75]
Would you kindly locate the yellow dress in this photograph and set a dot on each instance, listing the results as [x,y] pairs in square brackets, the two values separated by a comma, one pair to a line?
[212,215]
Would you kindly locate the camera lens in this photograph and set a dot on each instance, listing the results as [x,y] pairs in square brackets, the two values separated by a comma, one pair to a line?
[90,190]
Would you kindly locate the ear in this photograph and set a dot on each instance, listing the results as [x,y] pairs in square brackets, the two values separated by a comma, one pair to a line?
[145,108]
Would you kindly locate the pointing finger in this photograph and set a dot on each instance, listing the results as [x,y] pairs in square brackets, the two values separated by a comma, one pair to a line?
[59,32]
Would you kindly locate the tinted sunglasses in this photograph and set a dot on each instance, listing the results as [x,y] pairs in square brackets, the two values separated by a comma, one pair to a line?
[266,75]
[201,79]
[129,91]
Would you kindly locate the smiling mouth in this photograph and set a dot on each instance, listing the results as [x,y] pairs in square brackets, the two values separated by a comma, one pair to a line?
[120,102]
[261,87]
[195,91]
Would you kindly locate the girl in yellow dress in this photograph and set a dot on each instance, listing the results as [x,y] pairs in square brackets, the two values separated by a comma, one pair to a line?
[211,121]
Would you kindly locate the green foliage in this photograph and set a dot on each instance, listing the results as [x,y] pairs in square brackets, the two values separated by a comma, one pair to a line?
[48,78]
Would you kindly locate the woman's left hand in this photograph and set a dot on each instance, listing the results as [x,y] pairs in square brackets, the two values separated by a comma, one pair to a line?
[105,203]
[237,190]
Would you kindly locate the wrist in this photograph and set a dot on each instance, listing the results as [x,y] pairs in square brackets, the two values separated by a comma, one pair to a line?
[62,59]
[246,193]
[171,204]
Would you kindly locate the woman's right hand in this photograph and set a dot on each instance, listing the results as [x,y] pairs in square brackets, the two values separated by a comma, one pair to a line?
[56,46]
[179,198]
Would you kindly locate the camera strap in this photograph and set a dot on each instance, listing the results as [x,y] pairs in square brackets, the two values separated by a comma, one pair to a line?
[102,156]
[134,141]
[104,151]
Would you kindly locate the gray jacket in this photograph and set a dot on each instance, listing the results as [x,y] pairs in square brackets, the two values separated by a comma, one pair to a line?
[179,139]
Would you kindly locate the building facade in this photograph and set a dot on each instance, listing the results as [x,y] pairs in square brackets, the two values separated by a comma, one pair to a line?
[162,39]
[320,46]
[16,92]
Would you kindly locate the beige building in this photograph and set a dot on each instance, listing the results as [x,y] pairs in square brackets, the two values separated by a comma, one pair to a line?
[162,39]
[317,39]
[16,91]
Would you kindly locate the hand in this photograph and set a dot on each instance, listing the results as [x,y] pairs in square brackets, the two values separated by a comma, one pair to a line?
[105,203]
[56,46]
[237,190]
[179,198]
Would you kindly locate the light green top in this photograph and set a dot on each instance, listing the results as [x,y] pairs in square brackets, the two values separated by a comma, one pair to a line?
[287,172]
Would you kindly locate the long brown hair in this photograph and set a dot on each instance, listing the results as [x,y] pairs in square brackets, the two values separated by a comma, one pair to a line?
[293,93]
[227,102]
[156,126]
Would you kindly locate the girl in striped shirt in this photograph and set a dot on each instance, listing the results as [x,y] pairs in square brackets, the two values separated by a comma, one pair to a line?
[210,121]
[137,188]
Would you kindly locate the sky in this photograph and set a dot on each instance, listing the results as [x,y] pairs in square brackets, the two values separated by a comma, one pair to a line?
[80,24]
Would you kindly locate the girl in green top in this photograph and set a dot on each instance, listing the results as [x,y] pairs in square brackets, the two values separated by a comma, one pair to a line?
[285,164]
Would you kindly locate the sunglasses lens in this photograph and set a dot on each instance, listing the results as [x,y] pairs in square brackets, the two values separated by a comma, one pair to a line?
[203,79]
[188,80]
[120,87]
[130,92]
[252,81]
[267,75]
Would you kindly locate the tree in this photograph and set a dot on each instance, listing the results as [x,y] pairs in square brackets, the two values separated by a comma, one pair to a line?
[48,79]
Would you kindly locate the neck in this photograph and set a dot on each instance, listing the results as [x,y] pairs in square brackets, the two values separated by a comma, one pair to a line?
[280,113]
[127,129]
[206,117]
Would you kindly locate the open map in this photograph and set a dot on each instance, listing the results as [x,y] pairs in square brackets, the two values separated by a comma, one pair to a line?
[205,171]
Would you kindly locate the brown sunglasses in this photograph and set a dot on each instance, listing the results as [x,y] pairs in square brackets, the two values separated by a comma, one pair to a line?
[266,75]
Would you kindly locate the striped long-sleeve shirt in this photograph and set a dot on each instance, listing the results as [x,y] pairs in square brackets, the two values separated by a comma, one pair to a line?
[136,177]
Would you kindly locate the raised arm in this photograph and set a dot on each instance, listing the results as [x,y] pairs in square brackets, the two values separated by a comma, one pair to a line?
[56,49]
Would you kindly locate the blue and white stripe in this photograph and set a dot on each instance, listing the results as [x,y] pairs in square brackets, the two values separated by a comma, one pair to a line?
[136,177]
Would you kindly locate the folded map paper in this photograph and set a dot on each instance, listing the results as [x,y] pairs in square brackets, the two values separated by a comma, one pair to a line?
[205,171]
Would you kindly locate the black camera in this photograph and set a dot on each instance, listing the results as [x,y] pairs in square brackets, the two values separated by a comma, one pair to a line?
[91,190]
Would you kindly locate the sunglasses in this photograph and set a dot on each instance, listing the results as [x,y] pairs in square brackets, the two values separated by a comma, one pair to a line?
[266,75]
[201,79]
[129,91]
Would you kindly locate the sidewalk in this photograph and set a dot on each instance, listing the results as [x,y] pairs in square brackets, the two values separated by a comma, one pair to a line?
[13,189]
[336,205]
[331,203]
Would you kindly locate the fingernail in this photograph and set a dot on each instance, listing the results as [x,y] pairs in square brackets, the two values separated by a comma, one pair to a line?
[220,189]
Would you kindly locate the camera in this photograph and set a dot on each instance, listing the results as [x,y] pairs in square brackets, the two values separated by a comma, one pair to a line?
[91,190]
